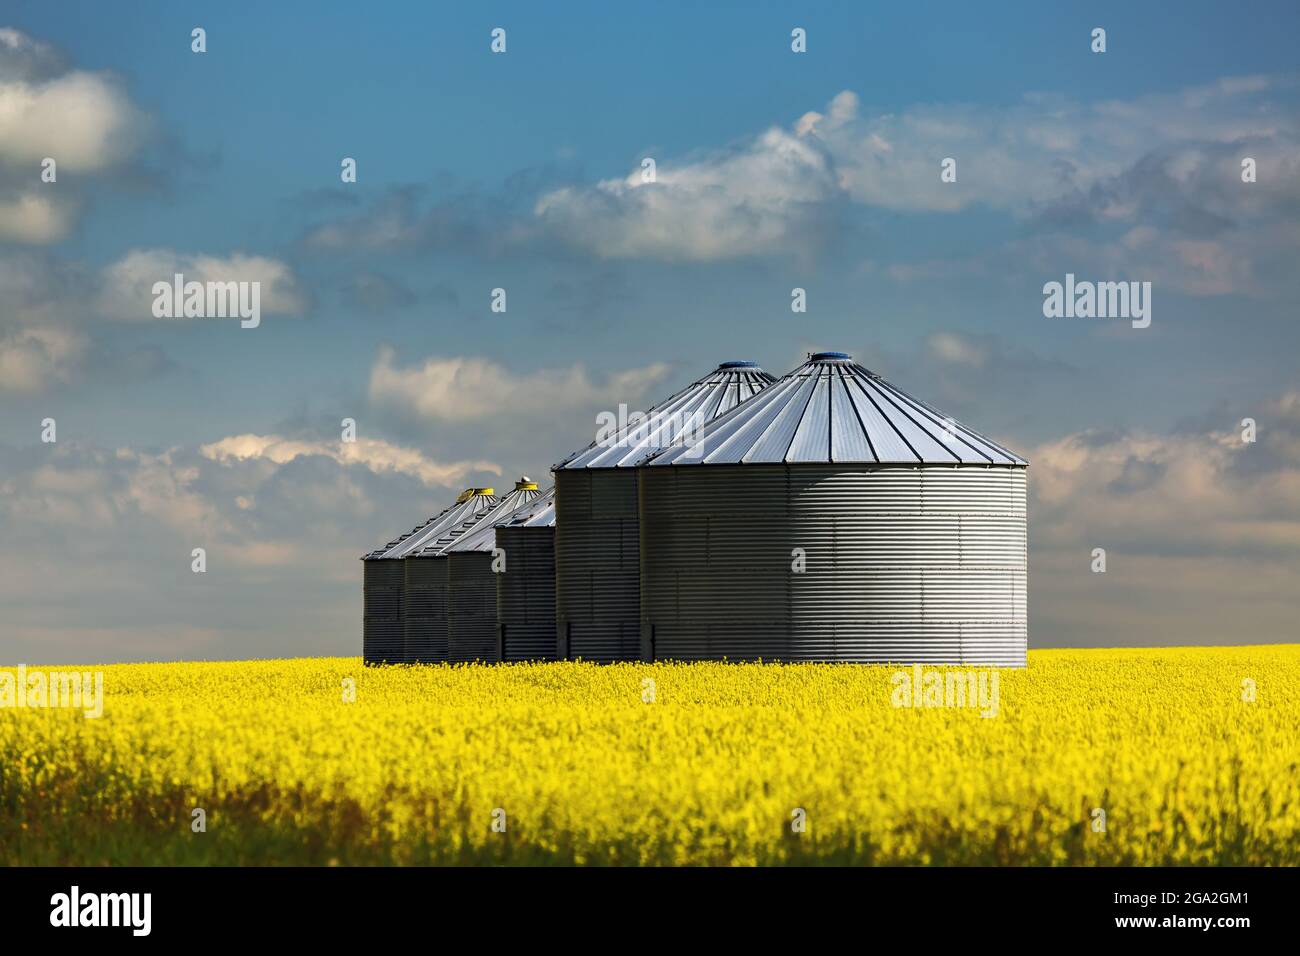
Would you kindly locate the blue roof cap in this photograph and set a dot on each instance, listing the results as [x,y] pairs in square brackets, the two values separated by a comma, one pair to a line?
[738,364]
[830,357]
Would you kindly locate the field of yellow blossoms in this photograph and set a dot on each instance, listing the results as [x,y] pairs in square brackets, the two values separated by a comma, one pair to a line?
[1164,756]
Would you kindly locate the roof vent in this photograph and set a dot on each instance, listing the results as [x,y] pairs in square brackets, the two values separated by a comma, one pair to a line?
[830,357]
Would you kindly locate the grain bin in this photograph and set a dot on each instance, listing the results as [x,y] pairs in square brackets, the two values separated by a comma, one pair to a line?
[597,572]
[472,586]
[526,587]
[835,518]
[424,623]
[384,579]
[428,581]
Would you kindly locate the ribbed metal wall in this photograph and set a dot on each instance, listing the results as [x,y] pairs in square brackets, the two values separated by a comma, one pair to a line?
[904,564]
[382,622]
[597,580]
[471,608]
[526,594]
[425,632]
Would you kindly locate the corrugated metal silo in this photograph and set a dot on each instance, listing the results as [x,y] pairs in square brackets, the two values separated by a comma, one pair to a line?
[835,518]
[424,637]
[472,594]
[384,584]
[381,621]
[526,588]
[597,564]
[429,585]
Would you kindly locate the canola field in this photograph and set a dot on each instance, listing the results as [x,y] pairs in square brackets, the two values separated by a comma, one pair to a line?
[1144,757]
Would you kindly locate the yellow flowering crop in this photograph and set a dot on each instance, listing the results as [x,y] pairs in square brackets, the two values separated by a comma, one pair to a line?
[1157,756]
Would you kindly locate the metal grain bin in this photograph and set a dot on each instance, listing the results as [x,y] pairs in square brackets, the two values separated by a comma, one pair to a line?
[597,564]
[384,579]
[526,588]
[428,577]
[472,586]
[835,518]
[424,631]
[381,621]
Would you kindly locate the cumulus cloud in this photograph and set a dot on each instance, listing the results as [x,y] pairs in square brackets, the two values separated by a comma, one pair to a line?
[1049,149]
[33,359]
[45,340]
[1169,162]
[1191,492]
[82,120]
[469,389]
[126,285]
[374,454]
[23,58]
[759,199]
[32,218]
[97,558]
[1201,532]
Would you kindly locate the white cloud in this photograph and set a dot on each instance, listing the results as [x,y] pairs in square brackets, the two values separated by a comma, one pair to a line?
[374,454]
[1187,494]
[97,546]
[759,199]
[1201,532]
[126,285]
[34,218]
[33,359]
[465,389]
[84,121]
[24,58]
[1159,157]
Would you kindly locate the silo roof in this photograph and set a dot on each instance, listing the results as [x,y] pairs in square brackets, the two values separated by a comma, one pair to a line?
[728,385]
[528,512]
[538,513]
[470,502]
[478,532]
[829,410]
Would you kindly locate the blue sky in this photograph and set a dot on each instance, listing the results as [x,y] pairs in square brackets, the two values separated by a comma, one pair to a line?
[777,170]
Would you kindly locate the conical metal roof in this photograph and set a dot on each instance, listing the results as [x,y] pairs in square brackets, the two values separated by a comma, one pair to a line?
[470,502]
[526,512]
[831,410]
[538,513]
[472,529]
[727,386]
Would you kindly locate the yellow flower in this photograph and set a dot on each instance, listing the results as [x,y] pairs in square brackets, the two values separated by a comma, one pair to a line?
[1149,756]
